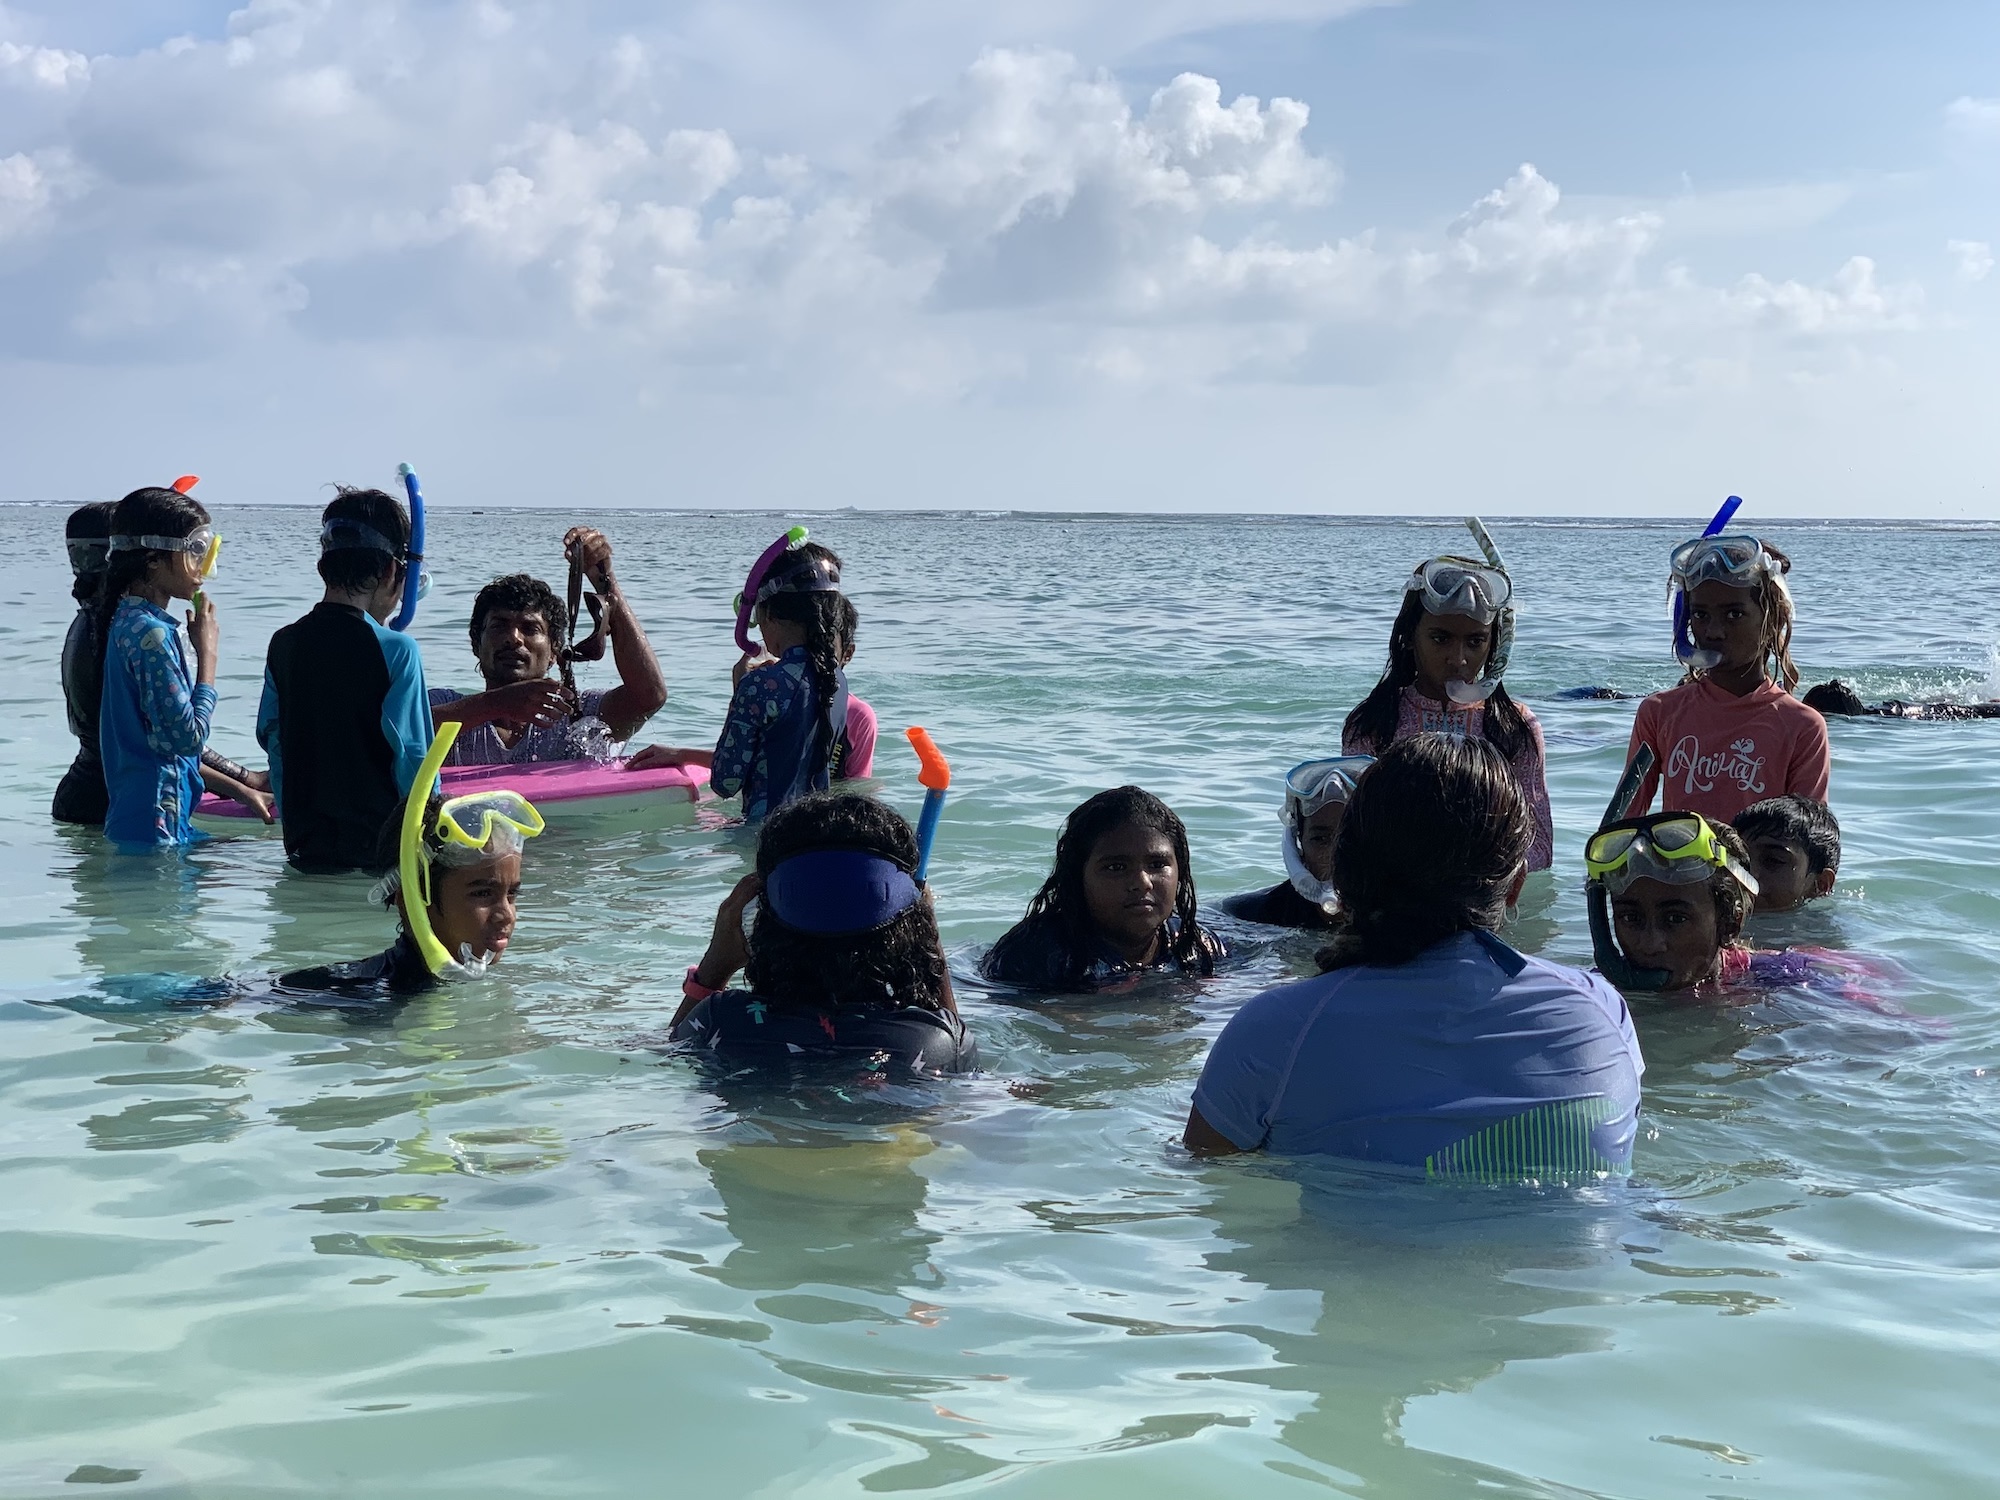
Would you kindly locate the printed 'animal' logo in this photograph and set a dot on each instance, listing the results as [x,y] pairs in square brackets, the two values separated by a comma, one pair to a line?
[1740,764]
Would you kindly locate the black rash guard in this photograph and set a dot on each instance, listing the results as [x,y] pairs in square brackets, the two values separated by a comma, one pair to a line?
[904,1041]
[394,974]
[1280,906]
[1035,954]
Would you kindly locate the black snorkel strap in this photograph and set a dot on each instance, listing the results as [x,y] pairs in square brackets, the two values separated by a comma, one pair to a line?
[1612,963]
[591,647]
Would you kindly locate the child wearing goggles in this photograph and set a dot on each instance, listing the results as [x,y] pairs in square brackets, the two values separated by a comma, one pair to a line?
[1447,650]
[788,730]
[462,857]
[155,705]
[843,966]
[1731,733]
[1316,796]
[1680,890]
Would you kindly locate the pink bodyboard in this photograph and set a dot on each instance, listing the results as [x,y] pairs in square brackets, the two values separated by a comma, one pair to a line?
[542,783]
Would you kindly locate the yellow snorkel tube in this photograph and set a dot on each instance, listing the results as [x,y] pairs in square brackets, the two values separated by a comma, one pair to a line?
[465,823]
[411,865]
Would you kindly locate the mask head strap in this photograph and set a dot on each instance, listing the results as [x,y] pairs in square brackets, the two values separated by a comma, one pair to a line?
[839,891]
[343,535]
[194,544]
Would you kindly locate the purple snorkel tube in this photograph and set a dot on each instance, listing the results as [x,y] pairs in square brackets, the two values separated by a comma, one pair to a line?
[746,602]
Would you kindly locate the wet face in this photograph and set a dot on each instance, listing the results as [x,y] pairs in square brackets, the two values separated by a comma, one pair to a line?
[474,906]
[1317,837]
[514,646]
[1130,883]
[1670,927]
[1450,648]
[1728,621]
[1785,878]
[177,574]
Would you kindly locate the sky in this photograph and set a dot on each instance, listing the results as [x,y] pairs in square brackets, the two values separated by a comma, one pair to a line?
[1164,255]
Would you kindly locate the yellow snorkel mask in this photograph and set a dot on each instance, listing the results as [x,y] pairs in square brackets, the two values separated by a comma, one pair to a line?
[467,825]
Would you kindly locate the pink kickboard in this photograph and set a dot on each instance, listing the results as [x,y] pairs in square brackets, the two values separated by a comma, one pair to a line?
[540,782]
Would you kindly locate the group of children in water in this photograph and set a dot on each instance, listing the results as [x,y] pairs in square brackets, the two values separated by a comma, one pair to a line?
[1425,1040]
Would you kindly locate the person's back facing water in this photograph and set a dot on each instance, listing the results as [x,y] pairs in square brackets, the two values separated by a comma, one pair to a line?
[844,962]
[344,716]
[1427,1041]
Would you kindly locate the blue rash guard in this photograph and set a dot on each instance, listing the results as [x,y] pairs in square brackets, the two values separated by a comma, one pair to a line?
[776,745]
[1471,1061]
[152,722]
[346,722]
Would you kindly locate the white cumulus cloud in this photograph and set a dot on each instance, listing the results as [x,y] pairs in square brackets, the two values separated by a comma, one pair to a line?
[495,172]
[1972,258]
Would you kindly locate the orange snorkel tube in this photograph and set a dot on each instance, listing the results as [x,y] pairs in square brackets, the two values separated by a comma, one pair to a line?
[934,772]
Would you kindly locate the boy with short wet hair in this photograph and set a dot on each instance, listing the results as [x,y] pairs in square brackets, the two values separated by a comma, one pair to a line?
[1794,844]
[344,714]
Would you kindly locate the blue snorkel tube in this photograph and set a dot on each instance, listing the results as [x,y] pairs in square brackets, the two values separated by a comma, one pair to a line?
[1683,642]
[413,566]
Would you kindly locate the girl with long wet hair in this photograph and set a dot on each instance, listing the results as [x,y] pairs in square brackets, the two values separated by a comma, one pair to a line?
[1447,650]
[1119,900]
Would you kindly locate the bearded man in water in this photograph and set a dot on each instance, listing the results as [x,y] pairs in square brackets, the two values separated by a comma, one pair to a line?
[519,627]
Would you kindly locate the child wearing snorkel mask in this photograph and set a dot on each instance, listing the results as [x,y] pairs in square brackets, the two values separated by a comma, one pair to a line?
[1731,733]
[1669,895]
[1316,796]
[454,881]
[842,964]
[155,706]
[783,738]
[1679,890]
[1447,652]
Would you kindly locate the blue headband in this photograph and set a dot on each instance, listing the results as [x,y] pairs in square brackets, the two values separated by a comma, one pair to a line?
[839,891]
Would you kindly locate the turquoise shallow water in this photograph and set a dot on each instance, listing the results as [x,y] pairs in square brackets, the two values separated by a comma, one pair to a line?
[503,1247]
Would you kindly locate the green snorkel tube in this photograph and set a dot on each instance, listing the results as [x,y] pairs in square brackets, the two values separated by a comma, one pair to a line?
[1611,962]
[411,865]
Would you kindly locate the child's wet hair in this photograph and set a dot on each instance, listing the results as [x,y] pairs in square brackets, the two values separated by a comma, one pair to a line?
[1835,700]
[359,570]
[90,525]
[1795,819]
[1433,838]
[1062,898]
[1733,902]
[820,614]
[847,624]
[521,594]
[900,963]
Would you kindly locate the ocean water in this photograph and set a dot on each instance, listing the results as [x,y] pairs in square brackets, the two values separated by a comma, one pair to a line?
[506,1247]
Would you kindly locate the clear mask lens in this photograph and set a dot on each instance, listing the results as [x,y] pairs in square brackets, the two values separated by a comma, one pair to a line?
[1454,586]
[1736,560]
[470,821]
